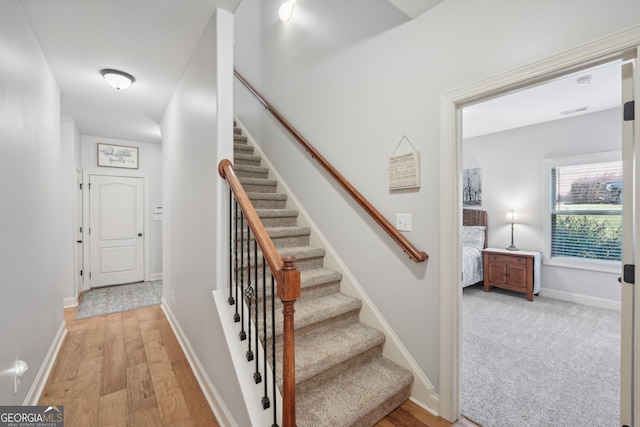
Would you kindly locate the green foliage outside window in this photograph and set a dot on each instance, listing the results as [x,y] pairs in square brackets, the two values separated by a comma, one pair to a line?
[587,236]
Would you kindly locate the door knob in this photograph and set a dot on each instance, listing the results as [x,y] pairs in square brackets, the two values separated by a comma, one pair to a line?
[139,234]
[79,241]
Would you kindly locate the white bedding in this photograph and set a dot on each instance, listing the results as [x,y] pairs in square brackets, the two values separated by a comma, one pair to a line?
[472,271]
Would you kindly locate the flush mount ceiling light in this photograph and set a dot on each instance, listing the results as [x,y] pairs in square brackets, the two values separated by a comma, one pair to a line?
[286,10]
[117,79]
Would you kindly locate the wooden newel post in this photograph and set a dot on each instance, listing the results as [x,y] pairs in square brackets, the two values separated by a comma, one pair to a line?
[288,292]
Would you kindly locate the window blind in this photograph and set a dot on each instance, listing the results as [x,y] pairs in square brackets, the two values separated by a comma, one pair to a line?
[586,211]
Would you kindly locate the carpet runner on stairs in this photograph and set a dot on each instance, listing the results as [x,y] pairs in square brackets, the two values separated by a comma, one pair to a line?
[341,377]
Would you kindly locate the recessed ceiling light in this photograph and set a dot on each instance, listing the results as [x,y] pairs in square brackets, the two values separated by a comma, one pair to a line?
[117,79]
[584,80]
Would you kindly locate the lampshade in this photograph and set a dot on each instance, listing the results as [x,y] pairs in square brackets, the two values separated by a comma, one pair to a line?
[117,79]
[511,217]
[286,10]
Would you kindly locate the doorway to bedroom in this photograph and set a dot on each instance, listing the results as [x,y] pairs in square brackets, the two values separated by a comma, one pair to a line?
[544,361]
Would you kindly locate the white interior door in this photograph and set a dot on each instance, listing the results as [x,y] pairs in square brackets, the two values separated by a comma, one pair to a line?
[78,234]
[116,229]
[629,366]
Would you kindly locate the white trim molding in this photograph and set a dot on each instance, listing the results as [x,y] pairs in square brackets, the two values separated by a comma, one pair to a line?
[620,45]
[37,387]
[222,414]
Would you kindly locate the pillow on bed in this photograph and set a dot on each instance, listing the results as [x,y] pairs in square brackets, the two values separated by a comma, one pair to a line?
[473,236]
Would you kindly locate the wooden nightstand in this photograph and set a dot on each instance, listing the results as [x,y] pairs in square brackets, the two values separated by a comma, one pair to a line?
[514,270]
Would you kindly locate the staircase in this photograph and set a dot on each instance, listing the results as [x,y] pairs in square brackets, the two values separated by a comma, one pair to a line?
[341,377]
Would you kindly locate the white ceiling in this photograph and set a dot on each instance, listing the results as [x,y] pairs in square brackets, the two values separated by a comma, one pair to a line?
[414,8]
[546,102]
[150,39]
[154,39]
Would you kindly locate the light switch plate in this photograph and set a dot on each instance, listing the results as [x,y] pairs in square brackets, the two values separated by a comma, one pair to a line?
[403,222]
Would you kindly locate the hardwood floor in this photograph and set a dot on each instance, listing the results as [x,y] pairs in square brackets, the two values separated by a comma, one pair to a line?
[128,369]
[125,369]
[411,415]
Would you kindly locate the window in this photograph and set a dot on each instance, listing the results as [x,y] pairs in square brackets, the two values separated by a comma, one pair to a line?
[585,210]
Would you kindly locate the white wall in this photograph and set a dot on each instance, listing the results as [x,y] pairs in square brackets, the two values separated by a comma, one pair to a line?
[197,133]
[150,163]
[32,266]
[355,100]
[70,142]
[512,177]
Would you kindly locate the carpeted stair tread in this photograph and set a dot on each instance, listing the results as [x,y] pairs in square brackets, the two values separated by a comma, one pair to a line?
[324,355]
[276,213]
[258,185]
[239,138]
[242,148]
[316,313]
[248,171]
[360,397]
[314,282]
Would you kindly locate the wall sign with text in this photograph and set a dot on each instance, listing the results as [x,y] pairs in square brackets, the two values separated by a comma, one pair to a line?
[117,156]
[404,169]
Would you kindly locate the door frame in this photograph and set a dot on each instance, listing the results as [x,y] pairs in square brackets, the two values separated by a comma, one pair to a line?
[616,46]
[78,223]
[87,220]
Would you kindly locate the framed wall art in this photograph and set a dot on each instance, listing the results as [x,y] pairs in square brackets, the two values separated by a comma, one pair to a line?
[117,156]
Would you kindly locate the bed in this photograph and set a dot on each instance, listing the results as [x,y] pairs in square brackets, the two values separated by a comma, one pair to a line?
[474,239]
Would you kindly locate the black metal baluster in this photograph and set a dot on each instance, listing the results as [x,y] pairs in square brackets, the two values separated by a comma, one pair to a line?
[236,316]
[249,293]
[256,375]
[265,399]
[273,349]
[243,334]
[231,217]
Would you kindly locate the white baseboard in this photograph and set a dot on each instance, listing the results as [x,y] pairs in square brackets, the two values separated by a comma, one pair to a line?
[222,414]
[70,302]
[155,276]
[581,299]
[37,387]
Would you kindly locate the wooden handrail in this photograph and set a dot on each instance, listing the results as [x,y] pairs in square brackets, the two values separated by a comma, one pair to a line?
[288,288]
[405,244]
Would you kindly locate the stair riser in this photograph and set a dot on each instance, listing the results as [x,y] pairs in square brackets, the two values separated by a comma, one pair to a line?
[239,139]
[301,264]
[382,410]
[240,148]
[246,160]
[286,221]
[268,204]
[255,188]
[312,292]
[252,174]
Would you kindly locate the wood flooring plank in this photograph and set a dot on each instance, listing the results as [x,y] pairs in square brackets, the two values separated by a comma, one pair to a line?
[113,410]
[199,408]
[171,402]
[401,417]
[423,415]
[113,369]
[94,340]
[139,386]
[57,393]
[171,343]
[149,417]
[84,407]
[66,366]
